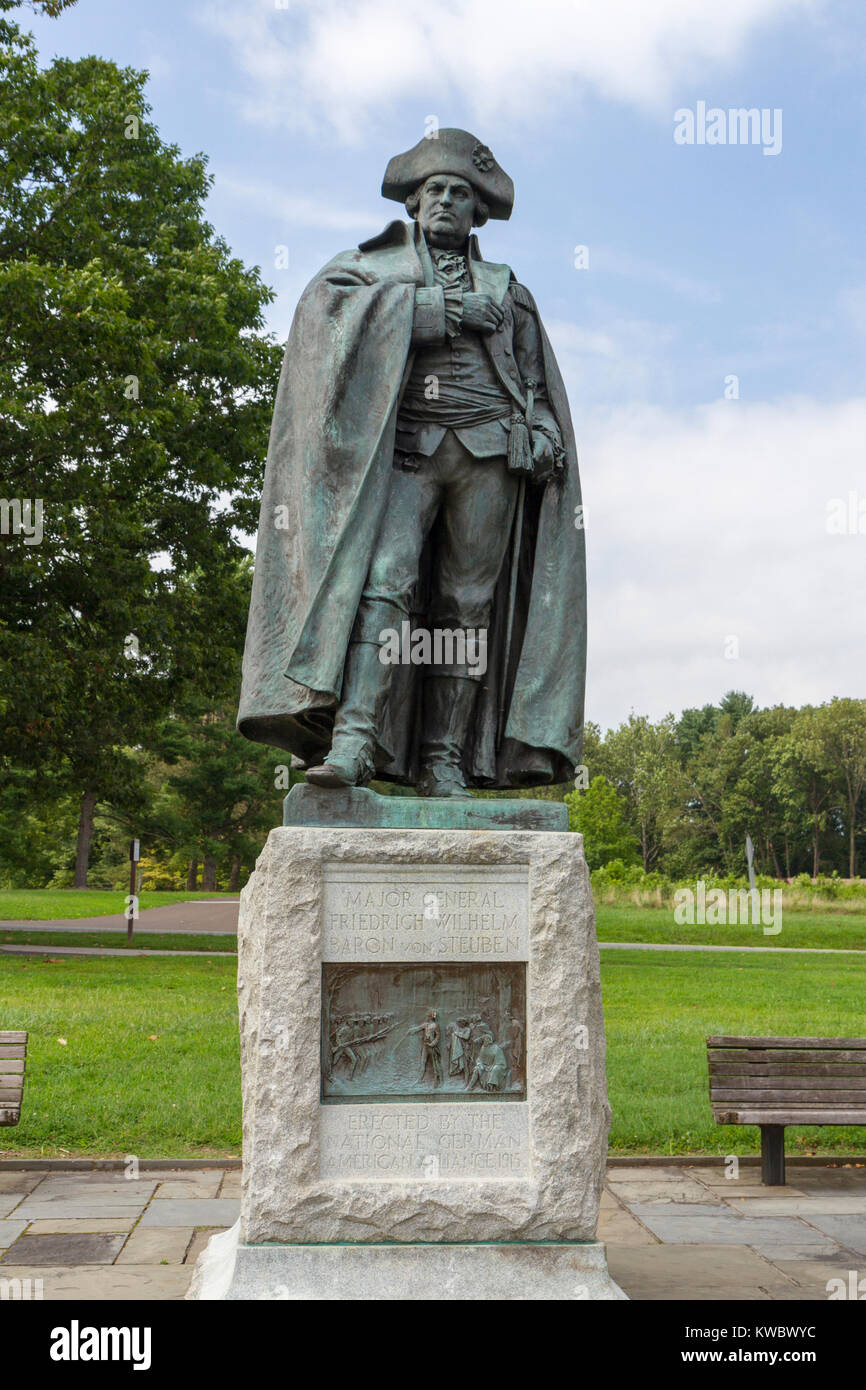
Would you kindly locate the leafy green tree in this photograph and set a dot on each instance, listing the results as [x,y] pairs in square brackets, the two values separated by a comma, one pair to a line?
[217,797]
[753,804]
[600,814]
[804,781]
[641,760]
[135,394]
[841,730]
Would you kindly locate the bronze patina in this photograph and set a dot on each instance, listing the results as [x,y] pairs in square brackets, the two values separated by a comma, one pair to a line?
[418,610]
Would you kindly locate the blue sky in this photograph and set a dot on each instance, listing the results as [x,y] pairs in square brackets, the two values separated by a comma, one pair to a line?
[707,516]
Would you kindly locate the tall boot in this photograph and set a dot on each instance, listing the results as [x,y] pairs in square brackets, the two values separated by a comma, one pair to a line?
[448,706]
[351,761]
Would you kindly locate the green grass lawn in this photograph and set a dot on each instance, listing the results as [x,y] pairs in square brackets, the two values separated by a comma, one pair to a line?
[141,941]
[842,931]
[659,1010]
[149,1065]
[47,904]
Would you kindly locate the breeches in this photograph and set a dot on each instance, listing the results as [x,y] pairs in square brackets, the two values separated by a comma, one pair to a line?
[475,499]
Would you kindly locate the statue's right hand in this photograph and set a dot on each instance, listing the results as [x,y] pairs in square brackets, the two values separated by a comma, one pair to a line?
[481,312]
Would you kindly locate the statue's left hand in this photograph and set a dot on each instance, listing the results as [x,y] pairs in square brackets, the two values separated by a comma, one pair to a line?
[543,457]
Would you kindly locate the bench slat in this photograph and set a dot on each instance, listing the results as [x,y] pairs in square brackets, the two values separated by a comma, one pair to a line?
[8,1079]
[10,1116]
[12,1050]
[10,1093]
[768,1057]
[821,1084]
[784,1069]
[6,1036]
[7,1066]
[724,1041]
[823,1116]
[795,1099]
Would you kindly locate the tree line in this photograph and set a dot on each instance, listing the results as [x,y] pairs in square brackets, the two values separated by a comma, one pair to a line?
[680,795]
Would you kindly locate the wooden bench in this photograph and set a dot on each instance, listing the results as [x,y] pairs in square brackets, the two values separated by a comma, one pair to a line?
[13,1050]
[774,1082]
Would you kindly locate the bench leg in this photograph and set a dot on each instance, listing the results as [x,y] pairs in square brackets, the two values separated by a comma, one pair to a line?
[773,1155]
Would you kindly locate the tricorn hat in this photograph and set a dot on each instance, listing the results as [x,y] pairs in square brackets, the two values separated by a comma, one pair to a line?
[451,151]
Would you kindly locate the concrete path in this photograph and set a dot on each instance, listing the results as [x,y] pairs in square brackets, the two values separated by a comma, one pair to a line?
[791,950]
[213,916]
[674,1232]
[36,950]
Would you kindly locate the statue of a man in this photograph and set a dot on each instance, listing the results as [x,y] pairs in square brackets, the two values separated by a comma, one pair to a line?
[418,608]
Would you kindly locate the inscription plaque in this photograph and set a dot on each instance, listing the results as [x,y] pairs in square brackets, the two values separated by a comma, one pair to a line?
[425,912]
[424,1142]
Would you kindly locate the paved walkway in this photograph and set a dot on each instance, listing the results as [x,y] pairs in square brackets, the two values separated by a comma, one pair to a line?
[790,950]
[211,916]
[671,1233]
[34,949]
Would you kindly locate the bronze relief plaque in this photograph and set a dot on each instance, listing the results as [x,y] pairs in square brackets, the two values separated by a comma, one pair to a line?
[397,1032]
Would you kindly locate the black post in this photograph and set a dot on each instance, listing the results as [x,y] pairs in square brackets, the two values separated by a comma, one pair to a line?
[773,1155]
[133,873]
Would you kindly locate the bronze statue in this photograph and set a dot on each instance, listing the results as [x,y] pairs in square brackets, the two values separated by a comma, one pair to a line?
[418,608]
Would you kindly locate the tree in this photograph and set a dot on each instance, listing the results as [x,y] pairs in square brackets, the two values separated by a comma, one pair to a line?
[841,730]
[216,798]
[599,813]
[803,780]
[640,759]
[136,383]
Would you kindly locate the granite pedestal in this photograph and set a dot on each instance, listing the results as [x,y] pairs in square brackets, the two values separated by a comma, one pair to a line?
[422,1046]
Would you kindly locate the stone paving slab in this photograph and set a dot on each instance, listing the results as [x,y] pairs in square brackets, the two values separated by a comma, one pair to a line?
[199,1241]
[10,1230]
[784,1254]
[739,1192]
[616,1176]
[80,1225]
[156,1246]
[67,1188]
[665,1192]
[810,1278]
[103,1283]
[19,1182]
[195,1185]
[849,1231]
[621,1228]
[703,1273]
[826,1179]
[192,1211]
[726,1228]
[852,1205]
[42,1211]
[65,1250]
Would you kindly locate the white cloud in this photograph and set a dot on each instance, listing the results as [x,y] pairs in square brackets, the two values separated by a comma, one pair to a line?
[711,524]
[294,209]
[338,64]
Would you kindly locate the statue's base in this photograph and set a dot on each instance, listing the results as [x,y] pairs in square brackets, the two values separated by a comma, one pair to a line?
[228,1269]
[358,808]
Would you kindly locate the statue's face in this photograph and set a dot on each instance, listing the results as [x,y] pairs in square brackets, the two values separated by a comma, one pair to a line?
[446,209]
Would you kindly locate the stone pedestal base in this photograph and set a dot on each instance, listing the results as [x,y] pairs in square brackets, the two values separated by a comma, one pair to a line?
[228,1269]
[422,1049]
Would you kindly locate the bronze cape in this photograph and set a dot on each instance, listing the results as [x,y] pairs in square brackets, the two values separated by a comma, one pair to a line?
[325,490]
